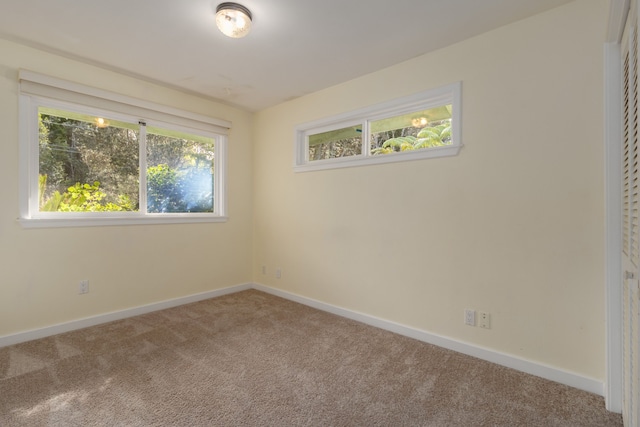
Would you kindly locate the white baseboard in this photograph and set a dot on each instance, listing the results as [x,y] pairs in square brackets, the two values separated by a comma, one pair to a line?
[534,368]
[116,315]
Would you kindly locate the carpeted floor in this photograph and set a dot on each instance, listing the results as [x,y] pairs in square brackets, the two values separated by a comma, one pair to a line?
[252,359]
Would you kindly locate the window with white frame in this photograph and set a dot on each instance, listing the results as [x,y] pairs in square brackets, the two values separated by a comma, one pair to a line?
[420,126]
[90,157]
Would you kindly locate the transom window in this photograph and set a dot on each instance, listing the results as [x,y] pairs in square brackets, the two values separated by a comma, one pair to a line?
[421,126]
[91,166]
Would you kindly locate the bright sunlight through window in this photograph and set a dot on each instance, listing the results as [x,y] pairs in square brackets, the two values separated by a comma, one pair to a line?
[96,166]
[421,126]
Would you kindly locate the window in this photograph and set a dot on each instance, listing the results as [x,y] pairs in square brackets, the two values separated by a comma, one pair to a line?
[116,161]
[421,126]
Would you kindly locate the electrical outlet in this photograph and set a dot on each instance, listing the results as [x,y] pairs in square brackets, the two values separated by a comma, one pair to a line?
[83,287]
[470,317]
[484,320]
[278,273]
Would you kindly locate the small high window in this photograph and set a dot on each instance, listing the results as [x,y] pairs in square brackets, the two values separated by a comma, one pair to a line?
[421,126]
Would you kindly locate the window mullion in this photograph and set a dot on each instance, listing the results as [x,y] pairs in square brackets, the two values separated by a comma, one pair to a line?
[143,168]
[187,171]
[219,170]
[34,164]
[420,126]
[366,144]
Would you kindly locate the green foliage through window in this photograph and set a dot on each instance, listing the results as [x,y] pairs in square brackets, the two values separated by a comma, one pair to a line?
[81,198]
[425,125]
[91,164]
[413,138]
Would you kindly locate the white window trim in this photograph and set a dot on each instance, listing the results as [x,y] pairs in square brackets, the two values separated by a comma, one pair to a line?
[449,94]
[37,90]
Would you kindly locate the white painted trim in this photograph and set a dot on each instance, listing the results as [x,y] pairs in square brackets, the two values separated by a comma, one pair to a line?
[530,367]
[449,94]
[613,387]
[41,79]
[355,161]
[534,368]
[613,225]
[31,217]
[618,11]
[105,221]
[116,315]
[221,177]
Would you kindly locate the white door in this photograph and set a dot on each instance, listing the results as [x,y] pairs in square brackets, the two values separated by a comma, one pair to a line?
[631,221]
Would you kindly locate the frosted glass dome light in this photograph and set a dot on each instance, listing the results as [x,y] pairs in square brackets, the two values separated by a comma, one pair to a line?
[234,20]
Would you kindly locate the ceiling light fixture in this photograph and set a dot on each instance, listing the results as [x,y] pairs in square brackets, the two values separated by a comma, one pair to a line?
[233,19]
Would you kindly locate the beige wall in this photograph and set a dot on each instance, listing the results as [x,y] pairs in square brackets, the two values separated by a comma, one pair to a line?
[514,225]
[127,266]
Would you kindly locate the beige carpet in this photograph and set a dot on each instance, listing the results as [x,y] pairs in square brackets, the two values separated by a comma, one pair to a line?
[252,359]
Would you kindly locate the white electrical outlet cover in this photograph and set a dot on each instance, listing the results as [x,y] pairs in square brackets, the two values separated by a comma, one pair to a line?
[469,317]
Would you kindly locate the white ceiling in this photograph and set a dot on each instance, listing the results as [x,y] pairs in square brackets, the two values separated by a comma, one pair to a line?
[295,46]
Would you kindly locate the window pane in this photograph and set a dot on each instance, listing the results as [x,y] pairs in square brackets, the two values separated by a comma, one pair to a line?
[179,172]
[336,143]
[419,130]
[86,163]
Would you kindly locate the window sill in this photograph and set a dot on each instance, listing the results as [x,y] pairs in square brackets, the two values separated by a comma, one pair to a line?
[347,162]
[116,221]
